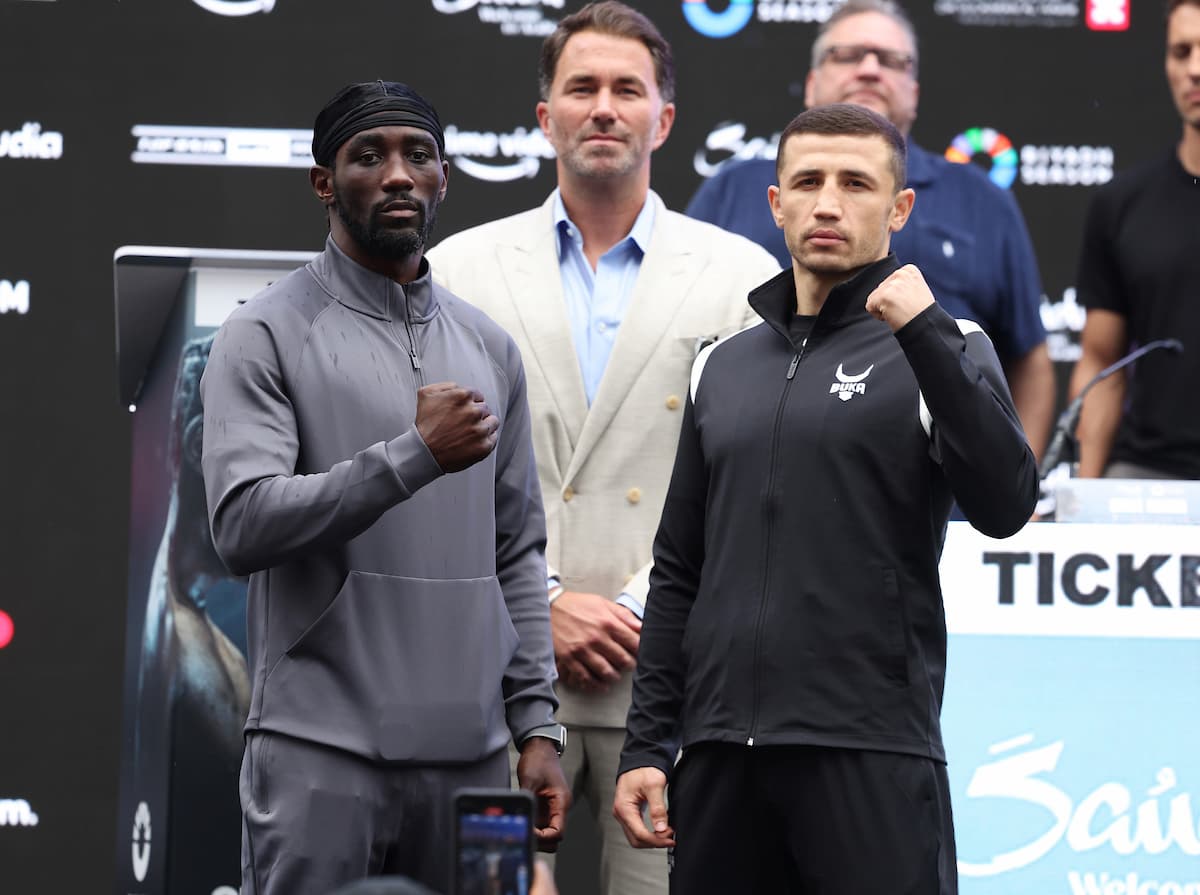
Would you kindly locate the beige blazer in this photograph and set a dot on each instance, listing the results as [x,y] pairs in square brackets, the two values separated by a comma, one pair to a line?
[604,470]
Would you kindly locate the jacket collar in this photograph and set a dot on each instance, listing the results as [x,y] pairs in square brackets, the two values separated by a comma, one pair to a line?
[775,300]
[370,293]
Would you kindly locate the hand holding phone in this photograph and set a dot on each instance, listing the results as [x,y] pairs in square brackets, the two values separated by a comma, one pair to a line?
[493,842]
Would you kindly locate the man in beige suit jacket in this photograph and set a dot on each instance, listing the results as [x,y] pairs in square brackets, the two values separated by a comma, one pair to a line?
[604,263]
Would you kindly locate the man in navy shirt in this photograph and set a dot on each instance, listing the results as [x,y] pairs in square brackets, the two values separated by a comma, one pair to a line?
[965,234]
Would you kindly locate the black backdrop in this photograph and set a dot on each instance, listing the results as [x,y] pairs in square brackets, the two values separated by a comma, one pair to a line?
[80,75]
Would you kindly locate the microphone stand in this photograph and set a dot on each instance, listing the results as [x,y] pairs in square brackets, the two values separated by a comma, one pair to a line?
[1062,445]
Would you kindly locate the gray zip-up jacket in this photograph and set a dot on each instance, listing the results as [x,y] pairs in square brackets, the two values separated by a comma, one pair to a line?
[393,611]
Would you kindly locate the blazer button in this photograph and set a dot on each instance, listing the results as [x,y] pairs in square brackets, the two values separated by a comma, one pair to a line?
[633,495]
[672,402]
[568,493]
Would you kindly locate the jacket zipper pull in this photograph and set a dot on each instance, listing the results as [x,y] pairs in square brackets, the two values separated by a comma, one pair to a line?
[416,361]
[792,368]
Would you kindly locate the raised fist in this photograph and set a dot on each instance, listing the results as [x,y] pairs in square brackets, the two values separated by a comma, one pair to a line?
[456,425]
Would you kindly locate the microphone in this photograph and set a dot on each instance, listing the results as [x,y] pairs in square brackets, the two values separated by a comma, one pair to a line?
[1064,429]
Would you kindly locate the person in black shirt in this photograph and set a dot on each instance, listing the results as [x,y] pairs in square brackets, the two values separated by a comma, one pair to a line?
[1139,278]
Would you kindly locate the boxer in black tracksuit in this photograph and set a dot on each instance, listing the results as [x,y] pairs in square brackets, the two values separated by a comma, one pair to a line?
[794,641]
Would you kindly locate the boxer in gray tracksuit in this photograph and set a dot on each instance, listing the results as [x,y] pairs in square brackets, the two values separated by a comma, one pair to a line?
[391,525]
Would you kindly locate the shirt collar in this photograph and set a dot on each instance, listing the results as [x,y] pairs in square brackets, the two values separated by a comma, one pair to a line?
[370,293]
[639,233]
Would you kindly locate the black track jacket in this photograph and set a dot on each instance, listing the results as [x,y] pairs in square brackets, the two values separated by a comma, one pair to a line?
[795,596]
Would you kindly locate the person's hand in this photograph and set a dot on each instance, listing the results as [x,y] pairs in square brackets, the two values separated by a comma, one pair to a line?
[900,298]
[455,424]
[539,771]
[543,880]
[643,786]
[595,640]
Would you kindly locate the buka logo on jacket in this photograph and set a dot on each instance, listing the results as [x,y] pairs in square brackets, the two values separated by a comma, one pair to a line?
[846,386]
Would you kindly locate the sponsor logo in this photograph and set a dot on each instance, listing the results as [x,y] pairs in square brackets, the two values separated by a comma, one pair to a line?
[1063,321]
[736,14]
[847,387]
[31,142]
[6,629]
[1106,818]
[14,296]
[1038,165]
[166,144]
[796,10]
[235,7]
[17,813]
[1066,165]
[1010,13]
[141,841]
[729,21]
[990,142]
[497,157]
[1107,15]
[727,143]
[514,18]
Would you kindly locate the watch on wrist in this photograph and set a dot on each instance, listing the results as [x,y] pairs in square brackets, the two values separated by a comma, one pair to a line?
[555,733]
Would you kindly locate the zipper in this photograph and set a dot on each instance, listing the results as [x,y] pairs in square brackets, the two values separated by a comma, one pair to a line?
[411,347]
[766,564]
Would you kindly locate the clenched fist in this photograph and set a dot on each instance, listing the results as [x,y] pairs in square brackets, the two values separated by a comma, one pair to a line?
[900,298]
[455,424]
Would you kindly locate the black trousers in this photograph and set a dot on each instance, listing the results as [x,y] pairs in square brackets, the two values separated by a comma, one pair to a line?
[807,820]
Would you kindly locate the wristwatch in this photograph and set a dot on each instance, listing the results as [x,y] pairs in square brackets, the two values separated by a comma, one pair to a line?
[555,733]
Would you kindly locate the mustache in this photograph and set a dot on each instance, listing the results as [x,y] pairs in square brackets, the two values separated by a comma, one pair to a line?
[613,132]
[400,201]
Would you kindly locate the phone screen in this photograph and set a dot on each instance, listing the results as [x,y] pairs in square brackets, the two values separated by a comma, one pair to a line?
[494,843]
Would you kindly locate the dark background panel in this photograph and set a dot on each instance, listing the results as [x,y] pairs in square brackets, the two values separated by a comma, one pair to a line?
[92,69]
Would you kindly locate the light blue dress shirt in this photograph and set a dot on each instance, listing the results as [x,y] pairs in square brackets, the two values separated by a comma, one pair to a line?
[597,300]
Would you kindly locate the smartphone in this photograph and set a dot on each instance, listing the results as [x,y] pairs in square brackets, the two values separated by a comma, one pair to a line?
[493,842]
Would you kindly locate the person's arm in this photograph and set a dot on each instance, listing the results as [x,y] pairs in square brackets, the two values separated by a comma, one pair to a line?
[1104,341]
[652,735]
[1031,381]
[528,683]
[521,565]
[982,447]
[261,512]
[1105,337]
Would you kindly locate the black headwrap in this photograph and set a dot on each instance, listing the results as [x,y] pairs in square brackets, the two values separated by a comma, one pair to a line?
[361,107]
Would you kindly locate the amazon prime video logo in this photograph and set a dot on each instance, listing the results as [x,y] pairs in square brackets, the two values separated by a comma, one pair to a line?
[497,157]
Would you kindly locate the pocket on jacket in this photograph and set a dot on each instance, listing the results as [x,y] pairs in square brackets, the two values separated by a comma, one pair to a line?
[410,667]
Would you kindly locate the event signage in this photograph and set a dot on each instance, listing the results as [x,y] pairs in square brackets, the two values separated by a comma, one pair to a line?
[1071,710]
[515,18]
[31,142]
[14,296]
[17,813]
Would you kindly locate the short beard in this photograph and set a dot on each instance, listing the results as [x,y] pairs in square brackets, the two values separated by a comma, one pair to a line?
[384,242]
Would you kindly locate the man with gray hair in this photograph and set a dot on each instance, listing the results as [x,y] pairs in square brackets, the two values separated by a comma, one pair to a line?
[966,234]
